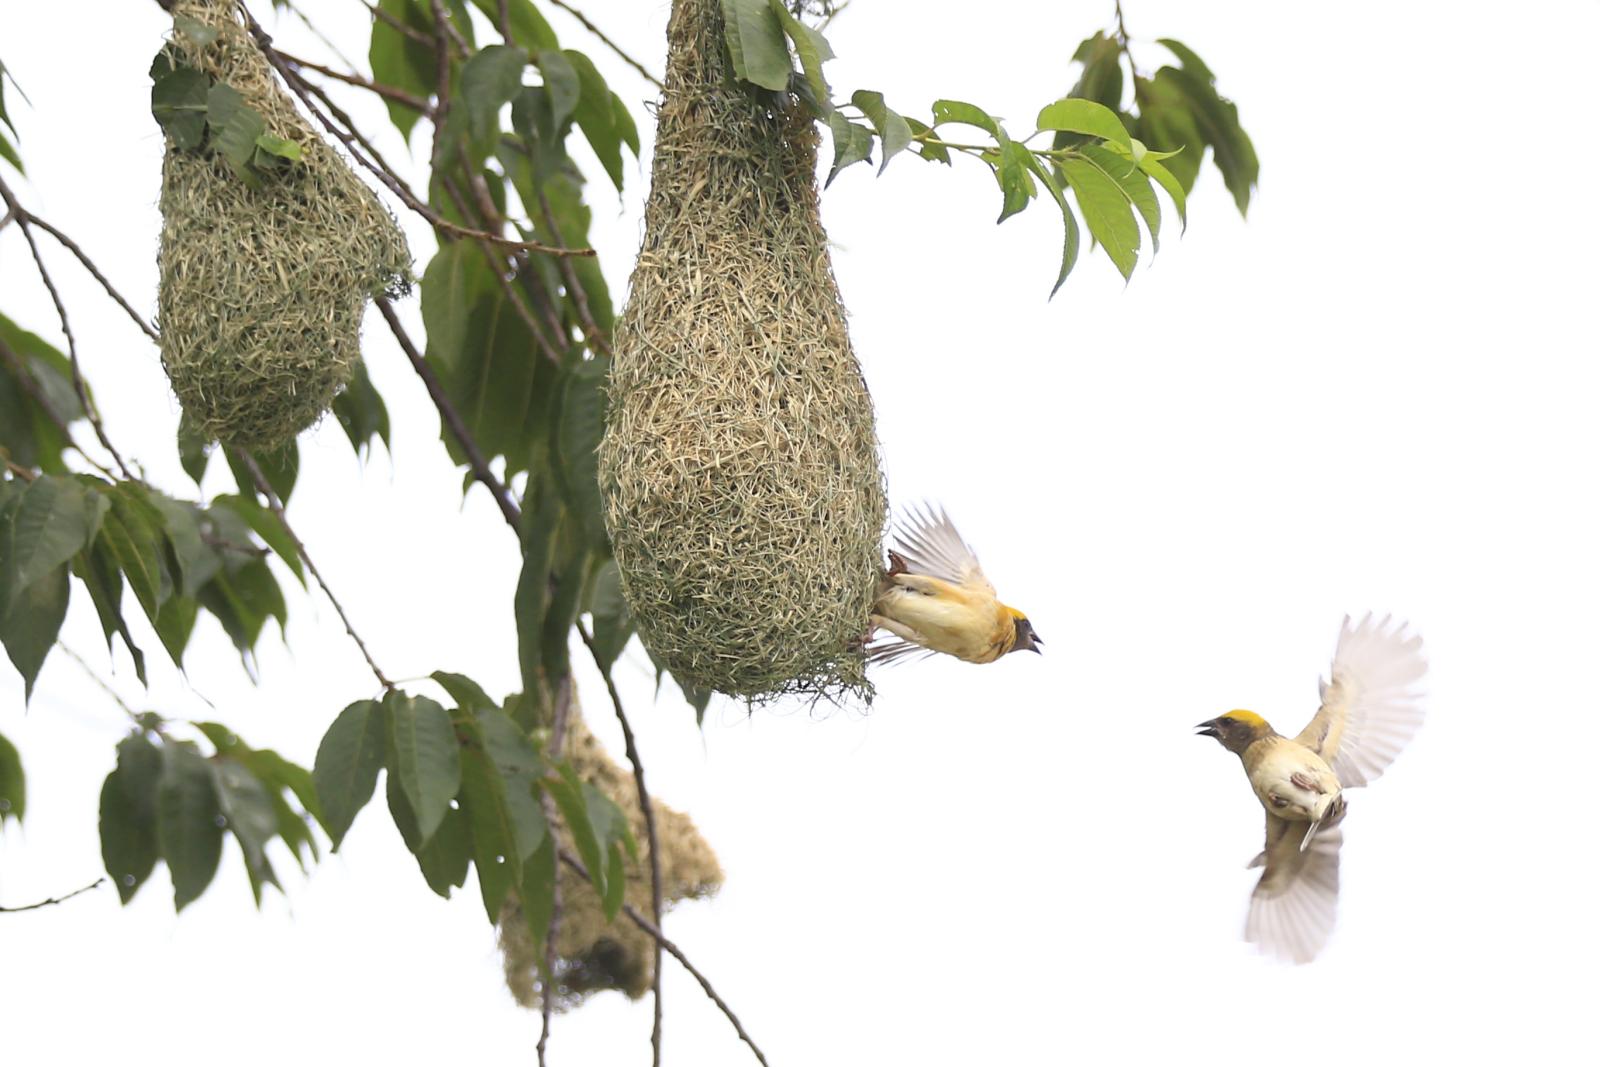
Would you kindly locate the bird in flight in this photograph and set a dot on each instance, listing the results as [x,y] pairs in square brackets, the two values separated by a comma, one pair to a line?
[1370,710]
[933,597]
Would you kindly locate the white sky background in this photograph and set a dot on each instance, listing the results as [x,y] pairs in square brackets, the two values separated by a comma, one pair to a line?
[1377,393]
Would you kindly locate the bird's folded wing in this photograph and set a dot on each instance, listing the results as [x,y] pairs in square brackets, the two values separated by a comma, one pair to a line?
[929,544]
[1294,906]
[1370,706]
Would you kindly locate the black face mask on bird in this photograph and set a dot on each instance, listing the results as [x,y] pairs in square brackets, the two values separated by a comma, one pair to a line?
[1027,639]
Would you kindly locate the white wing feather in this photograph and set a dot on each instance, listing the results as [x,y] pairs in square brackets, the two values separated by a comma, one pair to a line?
[1370,706]
[1295,905]
[930,544]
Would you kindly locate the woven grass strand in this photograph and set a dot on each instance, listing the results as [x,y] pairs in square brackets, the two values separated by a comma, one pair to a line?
[262,290]
[744,497]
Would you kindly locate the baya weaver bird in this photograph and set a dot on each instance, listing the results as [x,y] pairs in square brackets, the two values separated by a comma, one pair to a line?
[935,598]
[1370,709]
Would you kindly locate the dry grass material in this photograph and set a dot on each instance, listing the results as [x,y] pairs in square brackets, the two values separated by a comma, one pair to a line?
[740,470]
[592,954]
[262,290]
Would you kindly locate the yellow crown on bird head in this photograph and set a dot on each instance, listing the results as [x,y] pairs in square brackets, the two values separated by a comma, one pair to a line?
[1248,718]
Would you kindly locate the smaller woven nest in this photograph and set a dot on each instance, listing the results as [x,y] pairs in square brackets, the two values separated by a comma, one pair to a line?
[262,290]
[591,953]
[744,498]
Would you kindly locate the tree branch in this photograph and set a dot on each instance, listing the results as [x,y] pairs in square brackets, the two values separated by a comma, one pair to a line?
[25,224]
[675,952]
[452,419]
[264,487]
[648,810]
[111,291]
[388,92]
[96,884]
[609,43]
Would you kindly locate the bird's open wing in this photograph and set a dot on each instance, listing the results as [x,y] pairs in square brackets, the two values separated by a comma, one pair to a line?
[895,651]
[1293,908]
[929,544]
[1370,705]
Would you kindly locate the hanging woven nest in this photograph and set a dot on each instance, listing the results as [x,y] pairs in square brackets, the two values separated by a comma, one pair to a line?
[740,464]
[591,953]
[262,288]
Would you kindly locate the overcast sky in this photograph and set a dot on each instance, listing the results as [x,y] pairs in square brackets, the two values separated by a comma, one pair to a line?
[1378,393]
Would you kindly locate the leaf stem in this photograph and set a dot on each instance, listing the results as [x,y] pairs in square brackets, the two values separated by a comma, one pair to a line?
[96,884]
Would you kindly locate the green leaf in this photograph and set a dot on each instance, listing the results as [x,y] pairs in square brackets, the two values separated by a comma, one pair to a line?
[613,624]
[537,890]
[1084,116]
[1187,58]
[234,127]
[178,100]
[489,79]
[1167,181]
[194,29]
[851,144]
[934,153]
[41,528]
[188,822]
[346,769]
[191,559]
[194,451]
[1106,211]
[280,466]
[1101,80]
[29,630]
[424,754]
[568,792]
[489,830]
[268,527]
[569,570]
[580,423]
[811,47]
[13,784]
[516,766]
[247,807]
[1134,184]
[9,153]
[444,857]
[278,148]
[1069,252]
[468,695]
[563,88]
[128,844]
[756,43]
[243,598]
[361,412]
[98,572]
[541,519]
[399,60]
[597,117]
[135,540]
[528,27]
[964,113]
[1185,102]
[1016,183]
[893,130]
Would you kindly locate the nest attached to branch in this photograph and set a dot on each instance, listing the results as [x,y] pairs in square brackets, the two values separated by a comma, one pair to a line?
[740,470]
[262,290]
[591,953]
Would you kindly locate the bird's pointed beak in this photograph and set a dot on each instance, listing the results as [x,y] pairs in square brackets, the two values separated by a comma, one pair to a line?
[1207,729]
[1038,641]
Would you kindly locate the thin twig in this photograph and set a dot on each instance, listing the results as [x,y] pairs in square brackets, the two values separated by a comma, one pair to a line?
[301,88]
[503,20]
[452,418]
[399,27]
[675,952]
[388,92]
[648,810]
[71,246]
[317,33]
[580,297]
[96,884]
[25,224]
[609,43]
[264,487]
[551,931]
[94,676]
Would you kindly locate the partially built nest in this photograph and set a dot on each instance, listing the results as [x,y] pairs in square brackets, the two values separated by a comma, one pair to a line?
[591,953]
[262,289]
[743,493]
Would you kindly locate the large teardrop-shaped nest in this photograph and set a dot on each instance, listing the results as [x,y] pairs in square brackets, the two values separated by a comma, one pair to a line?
[740,465]
[262,290]
[591,953]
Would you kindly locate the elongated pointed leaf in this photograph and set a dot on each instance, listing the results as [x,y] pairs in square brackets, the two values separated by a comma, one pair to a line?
[968,114]
[128,842]
[489,79]
[347,764]
[1084,116]
[48,523]
[247,806]
[756,43]
[812,48]
[851,144]
[188,822]
[1106,211]
[442,858]
[1016,183]
[893,130]
[29,630]
[1069,252]
[424,755]
[1134,183]
[178,102]
[268,527]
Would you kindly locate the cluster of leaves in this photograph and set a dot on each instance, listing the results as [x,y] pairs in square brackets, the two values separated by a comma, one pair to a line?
[466,787]
[201,114]
[168,801]
[1107,169]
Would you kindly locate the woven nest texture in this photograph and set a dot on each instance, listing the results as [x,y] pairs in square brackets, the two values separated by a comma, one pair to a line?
[262,290]
[591,953]
[740,471]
